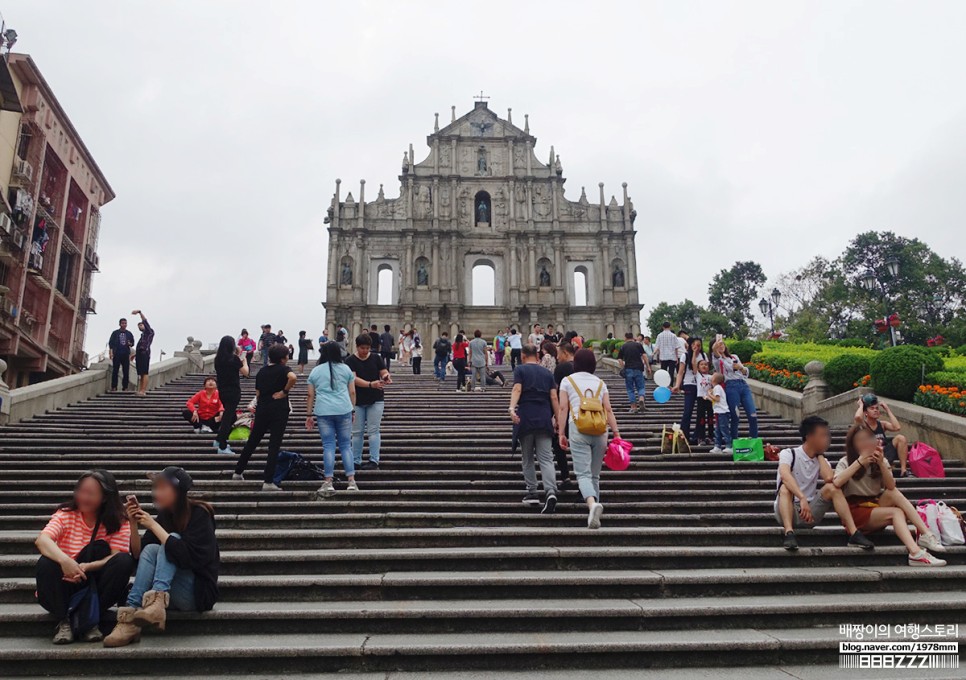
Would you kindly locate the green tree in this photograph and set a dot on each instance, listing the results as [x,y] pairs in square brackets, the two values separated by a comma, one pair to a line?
[928,293]
[689,316]
[732,292]
[827,297]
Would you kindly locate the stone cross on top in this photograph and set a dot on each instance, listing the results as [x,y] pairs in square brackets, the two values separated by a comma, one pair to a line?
[480,97]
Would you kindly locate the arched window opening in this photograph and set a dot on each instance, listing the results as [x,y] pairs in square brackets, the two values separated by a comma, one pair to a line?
[482,209]
[580,287]
[484,285]
[384,285]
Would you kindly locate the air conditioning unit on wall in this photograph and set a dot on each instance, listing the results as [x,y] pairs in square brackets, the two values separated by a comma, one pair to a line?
[6,224]
[25,169]
[18,238]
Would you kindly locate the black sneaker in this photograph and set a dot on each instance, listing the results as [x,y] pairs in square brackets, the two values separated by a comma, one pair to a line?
[549,505]
[790,543]
[531,499]
[858,540]
[368,465]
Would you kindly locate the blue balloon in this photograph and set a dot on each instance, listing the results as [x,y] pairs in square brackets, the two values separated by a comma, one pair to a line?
[662,395]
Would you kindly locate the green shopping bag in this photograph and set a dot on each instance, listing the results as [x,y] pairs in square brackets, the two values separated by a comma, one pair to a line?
[748,449]
[239,434]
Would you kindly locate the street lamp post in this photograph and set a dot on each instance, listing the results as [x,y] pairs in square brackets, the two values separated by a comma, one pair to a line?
[871,281]
[768,307]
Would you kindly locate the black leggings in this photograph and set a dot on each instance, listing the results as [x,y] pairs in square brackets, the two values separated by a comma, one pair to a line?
[417,365]
[560,456]
[211,423]
[460,366]
[228,419]
[54,593]
[271,419]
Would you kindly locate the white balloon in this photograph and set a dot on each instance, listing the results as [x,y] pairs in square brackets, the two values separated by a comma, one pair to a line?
[662,378]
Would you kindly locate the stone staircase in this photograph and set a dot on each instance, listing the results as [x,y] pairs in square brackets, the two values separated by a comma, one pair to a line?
[435,565]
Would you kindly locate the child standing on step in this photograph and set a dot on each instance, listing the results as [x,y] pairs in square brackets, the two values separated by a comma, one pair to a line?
[722,418]
[705,426]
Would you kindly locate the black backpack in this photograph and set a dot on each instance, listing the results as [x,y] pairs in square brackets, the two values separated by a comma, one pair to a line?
[304,470]
[443,346]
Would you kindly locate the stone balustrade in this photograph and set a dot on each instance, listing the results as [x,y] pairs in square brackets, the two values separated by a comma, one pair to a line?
[23,403]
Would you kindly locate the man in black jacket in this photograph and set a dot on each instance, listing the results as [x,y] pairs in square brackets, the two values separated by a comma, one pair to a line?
[386,342]
[120,345]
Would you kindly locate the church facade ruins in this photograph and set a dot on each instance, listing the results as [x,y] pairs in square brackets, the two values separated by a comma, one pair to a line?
[481,211]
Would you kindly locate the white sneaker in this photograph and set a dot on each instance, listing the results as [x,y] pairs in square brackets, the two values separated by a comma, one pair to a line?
[327,490]
[924,559]
[716,450]
[206,430]
[929,541]
[352,486]
[728,450]
[271,487]
[237,477]
[593,517]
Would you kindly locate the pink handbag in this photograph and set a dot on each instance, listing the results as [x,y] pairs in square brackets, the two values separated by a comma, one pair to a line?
[925,461]
[618,454]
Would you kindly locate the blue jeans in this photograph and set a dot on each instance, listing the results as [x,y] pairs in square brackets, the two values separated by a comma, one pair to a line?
[737,392]
[634,382]
[439,367]
[368,421]
[334,429]
[722,430]
[156,572]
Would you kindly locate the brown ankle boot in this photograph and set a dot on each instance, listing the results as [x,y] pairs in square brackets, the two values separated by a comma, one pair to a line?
[154,610]
[126,631]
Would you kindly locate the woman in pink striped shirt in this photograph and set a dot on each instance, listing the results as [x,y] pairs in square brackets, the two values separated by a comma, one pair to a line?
[87,538]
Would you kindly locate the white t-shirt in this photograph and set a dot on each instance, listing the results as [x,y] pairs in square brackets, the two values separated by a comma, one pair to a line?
[585,381]
[515,341]
[682,347]
[704,385]
[805,471]
[690,375]
[536,339]
[721,399]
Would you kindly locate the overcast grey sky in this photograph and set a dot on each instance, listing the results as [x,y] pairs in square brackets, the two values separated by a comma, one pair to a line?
[765,130]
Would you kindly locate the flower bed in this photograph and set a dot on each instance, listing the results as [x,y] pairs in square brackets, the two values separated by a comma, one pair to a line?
[948,399]
[792,380]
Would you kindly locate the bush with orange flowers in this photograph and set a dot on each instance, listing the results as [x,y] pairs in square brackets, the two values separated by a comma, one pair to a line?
[948,399]
[783,377]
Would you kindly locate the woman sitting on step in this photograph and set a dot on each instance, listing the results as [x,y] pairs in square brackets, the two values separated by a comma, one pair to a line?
[865,476]
[87,540]
[179,559]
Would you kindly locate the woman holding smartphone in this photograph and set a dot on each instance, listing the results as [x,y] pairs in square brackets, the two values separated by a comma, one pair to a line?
[865,477]
[736,386]
[179,558]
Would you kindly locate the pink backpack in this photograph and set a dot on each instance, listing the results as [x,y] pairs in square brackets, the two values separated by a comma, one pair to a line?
[618,454]
[925,461]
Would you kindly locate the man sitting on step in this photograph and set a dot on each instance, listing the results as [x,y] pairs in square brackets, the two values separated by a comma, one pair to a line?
[798,502]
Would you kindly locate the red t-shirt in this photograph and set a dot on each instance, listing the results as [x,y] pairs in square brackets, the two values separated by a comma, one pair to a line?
[459,350]
[207,407]
[71,533]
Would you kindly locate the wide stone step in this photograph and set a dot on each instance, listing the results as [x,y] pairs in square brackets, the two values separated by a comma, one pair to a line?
[535,615]
[304,652]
